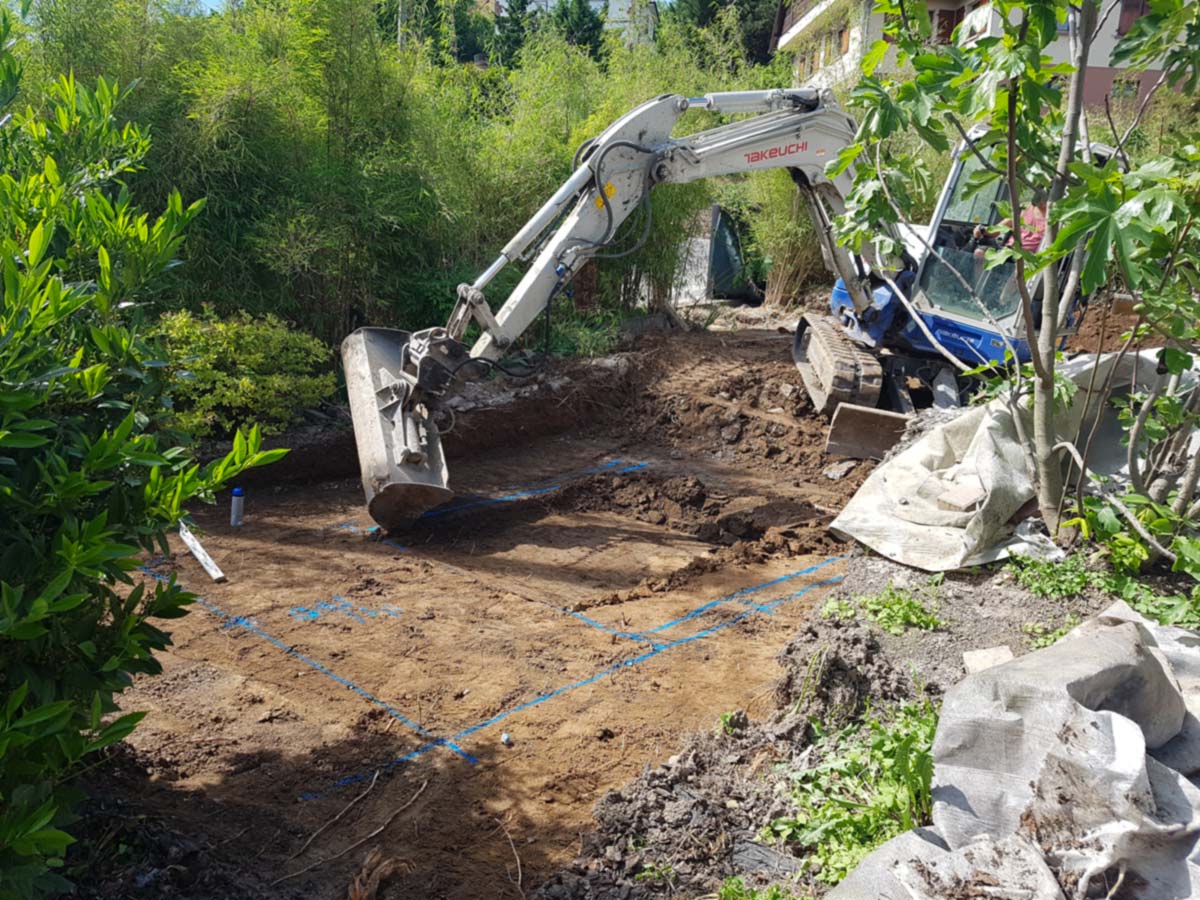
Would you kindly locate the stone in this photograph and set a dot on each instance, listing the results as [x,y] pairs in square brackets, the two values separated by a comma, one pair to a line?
[839,470]
[978,660]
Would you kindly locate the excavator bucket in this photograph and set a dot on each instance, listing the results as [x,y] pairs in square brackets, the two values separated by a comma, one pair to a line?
[399,451]
[864,432]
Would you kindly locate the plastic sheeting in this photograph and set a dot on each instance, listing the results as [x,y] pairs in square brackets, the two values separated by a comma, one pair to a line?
[911,508]
[1060,773]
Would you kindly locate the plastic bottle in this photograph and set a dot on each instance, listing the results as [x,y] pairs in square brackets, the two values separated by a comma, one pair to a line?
[236,507]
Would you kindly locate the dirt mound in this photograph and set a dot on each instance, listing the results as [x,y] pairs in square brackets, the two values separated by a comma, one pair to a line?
[831,671]
[696,820]
[747,403]
[687,505]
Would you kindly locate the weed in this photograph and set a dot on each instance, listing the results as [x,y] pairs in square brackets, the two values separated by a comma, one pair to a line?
[736,889]
[1058,580]
[1042,635]
[894,609]
[842,610]
[1070,577]
[658,872]
[1169,609]
[728,725]
[872,784]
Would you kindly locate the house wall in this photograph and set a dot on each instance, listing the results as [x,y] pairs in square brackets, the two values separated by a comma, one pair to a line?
[830,69]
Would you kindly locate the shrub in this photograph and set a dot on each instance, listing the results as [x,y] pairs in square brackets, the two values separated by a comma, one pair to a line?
[873,783]
[242,370]
[90,476]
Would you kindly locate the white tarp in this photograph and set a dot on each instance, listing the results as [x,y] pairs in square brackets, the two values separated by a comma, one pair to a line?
[901,511]
[1060,772]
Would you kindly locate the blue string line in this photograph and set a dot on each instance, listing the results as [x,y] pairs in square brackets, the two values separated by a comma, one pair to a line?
[629,635]
[243,622]
[738,595]
[624,663]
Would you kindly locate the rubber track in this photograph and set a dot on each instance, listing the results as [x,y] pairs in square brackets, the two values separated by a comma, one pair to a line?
[837,370]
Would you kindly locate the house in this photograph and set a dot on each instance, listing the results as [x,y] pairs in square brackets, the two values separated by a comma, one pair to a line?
[637,18]
[828,38]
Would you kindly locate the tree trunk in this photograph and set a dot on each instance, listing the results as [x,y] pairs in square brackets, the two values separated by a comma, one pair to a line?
[1049,474]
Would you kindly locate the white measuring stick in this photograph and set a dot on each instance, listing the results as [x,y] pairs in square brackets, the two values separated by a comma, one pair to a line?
[198,551]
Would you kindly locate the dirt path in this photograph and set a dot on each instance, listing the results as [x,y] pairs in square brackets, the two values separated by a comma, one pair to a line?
[588,599]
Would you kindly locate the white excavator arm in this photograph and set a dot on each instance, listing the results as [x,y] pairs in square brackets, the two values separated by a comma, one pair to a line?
[397,381]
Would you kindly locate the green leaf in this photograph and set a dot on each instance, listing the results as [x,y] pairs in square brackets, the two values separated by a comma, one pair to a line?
[43,714]
[874,57]
[22,441]
[116,731]
[39,240]
[1176,361]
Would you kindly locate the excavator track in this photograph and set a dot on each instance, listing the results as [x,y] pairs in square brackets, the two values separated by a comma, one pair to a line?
[833,368]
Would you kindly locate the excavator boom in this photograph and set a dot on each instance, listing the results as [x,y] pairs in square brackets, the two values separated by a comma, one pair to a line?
[398,381]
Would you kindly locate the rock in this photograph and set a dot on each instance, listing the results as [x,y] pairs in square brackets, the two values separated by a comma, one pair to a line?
[730,434]
[839,470]
[978,660]
[751,858]
[676,454]
[787,391]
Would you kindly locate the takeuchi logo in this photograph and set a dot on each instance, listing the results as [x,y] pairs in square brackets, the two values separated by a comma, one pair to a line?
[755,156]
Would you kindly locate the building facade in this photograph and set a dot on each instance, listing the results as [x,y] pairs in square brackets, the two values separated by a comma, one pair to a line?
[638,19]
[828,38]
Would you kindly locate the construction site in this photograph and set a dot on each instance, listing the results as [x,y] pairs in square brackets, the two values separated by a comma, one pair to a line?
[596,596]
[589,451]
[589,675]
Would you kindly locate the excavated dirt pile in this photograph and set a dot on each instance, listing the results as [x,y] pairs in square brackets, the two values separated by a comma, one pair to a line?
[687,825]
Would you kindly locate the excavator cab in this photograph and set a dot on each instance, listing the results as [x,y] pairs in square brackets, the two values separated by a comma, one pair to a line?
[872,372]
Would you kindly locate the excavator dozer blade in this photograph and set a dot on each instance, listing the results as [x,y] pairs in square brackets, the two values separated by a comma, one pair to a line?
[399,451]
[864,432]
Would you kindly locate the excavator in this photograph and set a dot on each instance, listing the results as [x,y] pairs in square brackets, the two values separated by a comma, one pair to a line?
[899,334]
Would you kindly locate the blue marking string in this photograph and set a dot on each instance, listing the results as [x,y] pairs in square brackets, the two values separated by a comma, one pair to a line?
[740,595]
[623,663]
[629,635]
[243,622]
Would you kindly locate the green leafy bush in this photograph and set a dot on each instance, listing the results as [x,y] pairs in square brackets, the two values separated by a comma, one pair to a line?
[242,370]
[90,474]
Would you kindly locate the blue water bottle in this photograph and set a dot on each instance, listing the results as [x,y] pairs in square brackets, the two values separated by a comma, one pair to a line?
[236,507]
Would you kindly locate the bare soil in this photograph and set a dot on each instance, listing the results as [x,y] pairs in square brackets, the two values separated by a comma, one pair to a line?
[620,571]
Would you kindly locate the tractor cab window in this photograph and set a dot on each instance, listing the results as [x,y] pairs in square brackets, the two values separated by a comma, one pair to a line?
[955,278]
